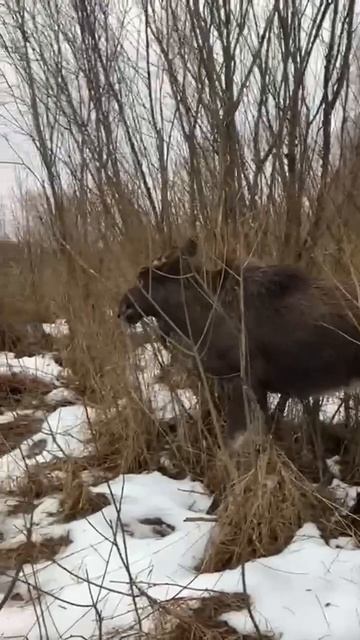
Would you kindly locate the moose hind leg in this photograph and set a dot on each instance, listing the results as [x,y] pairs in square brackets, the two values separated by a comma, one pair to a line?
[239,410]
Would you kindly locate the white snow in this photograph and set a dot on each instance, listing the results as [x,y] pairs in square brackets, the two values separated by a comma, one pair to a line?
[61,395]
[146,544]
[56,329]
[41,366]
[345,494]
[165,405]
[93,556]
[63,433]
[308,591]
[334,465]
[11,416]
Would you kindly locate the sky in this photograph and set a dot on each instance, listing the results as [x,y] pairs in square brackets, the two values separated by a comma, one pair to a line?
[14,148]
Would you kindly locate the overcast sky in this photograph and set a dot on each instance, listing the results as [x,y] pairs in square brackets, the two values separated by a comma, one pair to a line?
[14,148]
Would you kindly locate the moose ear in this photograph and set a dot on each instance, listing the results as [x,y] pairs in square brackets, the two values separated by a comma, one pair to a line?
[190,248]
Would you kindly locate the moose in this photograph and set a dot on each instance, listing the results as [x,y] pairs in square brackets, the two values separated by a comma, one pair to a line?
[301,334]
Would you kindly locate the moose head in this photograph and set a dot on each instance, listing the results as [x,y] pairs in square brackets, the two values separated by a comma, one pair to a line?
[156,282]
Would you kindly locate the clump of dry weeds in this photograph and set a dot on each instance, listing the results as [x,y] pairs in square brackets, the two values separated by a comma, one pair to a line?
[14,386]
[38,481]
[14,432]
[31,552]
[185,619]
[262,509]
[77,500]
[125,440]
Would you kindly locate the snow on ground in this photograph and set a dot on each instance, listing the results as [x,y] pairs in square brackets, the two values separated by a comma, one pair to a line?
[42,367]
[165,405]
[11,416]
[331,410]
[345,494]
[61,395]
[56,329]
[63,433]
[145,546]
[309,591]
[93,556]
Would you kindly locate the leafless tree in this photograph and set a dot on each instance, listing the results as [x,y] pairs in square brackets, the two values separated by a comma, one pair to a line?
[234,105]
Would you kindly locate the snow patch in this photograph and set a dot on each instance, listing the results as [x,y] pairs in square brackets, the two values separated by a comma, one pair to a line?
[61,395]
[92,555]
[345,494]
[309,590]
[63,433]
[41,366]
[165,404]
[56,329]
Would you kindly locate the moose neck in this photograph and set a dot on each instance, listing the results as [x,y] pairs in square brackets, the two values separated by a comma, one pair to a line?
[187,310]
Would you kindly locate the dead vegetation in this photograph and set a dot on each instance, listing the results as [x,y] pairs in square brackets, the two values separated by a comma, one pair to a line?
[262,510]
[24,338]
[77,500]
[32,552]
[38,482]
[14,432]
[186,619]
[18,387]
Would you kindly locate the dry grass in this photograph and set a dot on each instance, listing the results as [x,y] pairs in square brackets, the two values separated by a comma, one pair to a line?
[38,481]
[16,387]
[30,552]
[63,478]
[13,433]
[185,619]
[77,500]
[24,339]
[262,510]
[60,477]
[126,441]
[23,298]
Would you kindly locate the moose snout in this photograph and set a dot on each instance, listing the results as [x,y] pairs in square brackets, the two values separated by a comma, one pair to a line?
[128,313]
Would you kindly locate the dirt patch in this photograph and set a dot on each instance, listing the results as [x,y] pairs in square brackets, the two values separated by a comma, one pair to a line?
[13,433]
[14,386]
[32,552]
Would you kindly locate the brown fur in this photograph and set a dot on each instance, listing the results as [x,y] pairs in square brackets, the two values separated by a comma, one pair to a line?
[302,334]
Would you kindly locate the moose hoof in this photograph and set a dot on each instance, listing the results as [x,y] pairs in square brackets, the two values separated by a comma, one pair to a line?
[214,505]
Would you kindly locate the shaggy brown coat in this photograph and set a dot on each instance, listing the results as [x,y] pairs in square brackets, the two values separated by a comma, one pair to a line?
[302,334]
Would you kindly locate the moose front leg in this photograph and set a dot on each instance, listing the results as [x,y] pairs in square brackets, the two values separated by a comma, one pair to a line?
[237,403]
[240,404]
